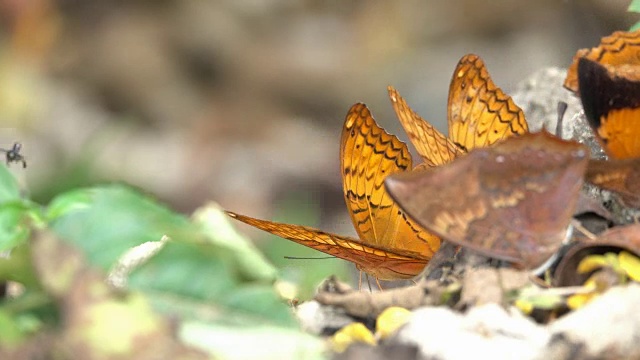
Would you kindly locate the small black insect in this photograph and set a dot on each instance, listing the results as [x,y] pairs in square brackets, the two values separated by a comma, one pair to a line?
[13,155]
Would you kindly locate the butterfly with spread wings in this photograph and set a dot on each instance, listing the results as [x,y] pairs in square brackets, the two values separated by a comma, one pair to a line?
[390,246]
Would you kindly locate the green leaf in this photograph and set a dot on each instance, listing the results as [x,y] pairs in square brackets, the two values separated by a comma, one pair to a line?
[106,221]
[14,229]
[261,304]
[205,276]
[259,342]
[634,6]
[635,26]
[67,203]
[217,228]
[9,188]
[10,333]
[18,267]
[197,271]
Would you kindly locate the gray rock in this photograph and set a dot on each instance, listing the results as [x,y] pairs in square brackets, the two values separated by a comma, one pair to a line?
[607,327]
[489,330]
[318,320]
[539,95]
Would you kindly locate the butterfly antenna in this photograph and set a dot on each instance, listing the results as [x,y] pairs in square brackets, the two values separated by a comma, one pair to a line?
[308,258]
[562,109]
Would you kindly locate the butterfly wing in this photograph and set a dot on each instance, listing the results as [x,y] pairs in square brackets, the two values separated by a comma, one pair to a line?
[611,101]
[479,112]
[434,148]
[368,155]
[382,263]
[619,48]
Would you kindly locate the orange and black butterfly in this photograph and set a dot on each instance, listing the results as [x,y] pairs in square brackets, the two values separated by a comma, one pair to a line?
[480,113]
[619,48]
[610,97]
[611,100]
[390,246]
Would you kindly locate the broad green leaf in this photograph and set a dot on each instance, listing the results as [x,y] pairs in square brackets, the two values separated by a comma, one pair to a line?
[65,204]
[218,230]
[207,277]
[196,271]
[258,342]
[10,333]
[634,6]
[635,26]
[18,267]
[9,188]
[106,221]
[259,303]
[14,224]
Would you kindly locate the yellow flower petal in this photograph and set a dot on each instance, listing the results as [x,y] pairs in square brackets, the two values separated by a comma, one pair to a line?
[630,264]
[579,300]
[592,262]
[390,320]
[525,306]
[355,332]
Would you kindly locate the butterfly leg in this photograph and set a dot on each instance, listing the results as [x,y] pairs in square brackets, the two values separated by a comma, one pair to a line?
[368,282]
[379,286]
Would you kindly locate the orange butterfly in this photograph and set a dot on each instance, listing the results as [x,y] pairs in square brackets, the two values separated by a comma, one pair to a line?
[479,114]
[619,48]
[390,245]
[512,201]
[434,148]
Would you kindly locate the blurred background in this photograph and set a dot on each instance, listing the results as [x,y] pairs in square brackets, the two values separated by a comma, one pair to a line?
[241,102]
